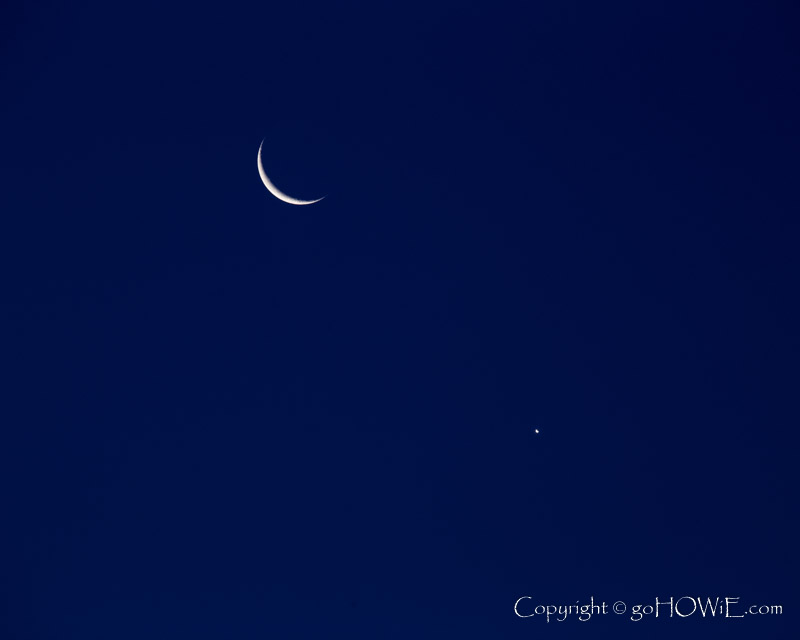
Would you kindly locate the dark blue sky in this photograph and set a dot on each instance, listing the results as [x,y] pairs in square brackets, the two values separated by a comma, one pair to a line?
[227,417]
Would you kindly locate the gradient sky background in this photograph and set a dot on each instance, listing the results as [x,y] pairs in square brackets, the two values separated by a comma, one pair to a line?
[227,417]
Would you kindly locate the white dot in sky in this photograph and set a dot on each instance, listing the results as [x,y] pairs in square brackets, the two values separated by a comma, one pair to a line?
[536,431]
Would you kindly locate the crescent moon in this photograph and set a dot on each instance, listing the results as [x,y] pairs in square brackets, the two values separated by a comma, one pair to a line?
[280,195]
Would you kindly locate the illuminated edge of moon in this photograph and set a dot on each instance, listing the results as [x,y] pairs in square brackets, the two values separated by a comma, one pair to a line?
[273,189]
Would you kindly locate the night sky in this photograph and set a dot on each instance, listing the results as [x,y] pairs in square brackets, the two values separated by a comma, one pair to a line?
[224,416]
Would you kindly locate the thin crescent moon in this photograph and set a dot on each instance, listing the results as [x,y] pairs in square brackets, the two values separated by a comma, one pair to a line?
[273,189]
